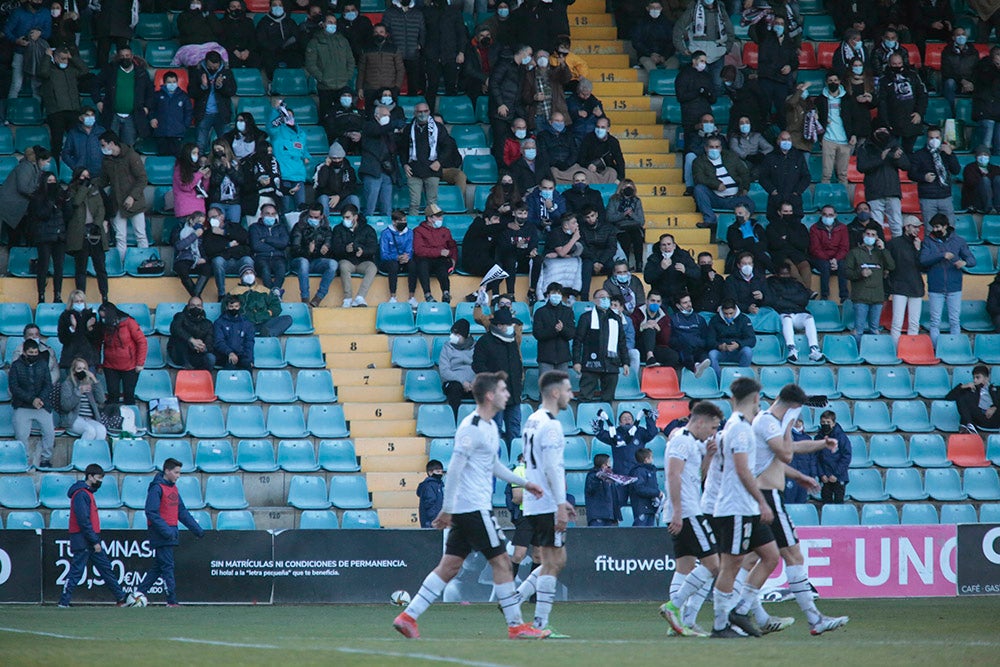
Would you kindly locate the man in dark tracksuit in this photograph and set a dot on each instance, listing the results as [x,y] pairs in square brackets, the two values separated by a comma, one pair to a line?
[85,537]
[645,491]
[431,493]
[602,506]
[164,508]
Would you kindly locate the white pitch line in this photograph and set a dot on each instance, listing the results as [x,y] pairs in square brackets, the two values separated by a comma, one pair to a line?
[42,634]
[419,656]
[188,640]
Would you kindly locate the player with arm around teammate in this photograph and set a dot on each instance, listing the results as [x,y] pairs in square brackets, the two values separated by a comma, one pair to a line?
[468,510]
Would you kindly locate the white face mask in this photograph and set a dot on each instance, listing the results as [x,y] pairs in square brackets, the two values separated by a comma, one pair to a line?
[454,339]
[248,279]
[655,13]
[383,120]
[215,223]
[934,143]
[700,66]
[747,270]
[241,126]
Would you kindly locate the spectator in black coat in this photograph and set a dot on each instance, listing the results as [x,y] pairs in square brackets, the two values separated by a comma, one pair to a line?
[906,282]
[444,46]
[335,183]
[356,27]
[599,350]
[902,102]
[211,83]
[558,151]
[541,22]
[526,171]
[343,121]
[653,37]
[986,100]
[192,337]
[124,71]
[671,270]
[778,65]
[238,35]
[554,328]
[958,67]
[480,57]
[730,337]
[581,195]
[930,19]
[695,91]
[880,160]
[497,350]
[708,295]
[981,184]
[834,462]
[933,168]
[747,285]
[790,299]
[600,241]
[746,235]
[748,99]
[197,25]
[281,40]
[601,154]
[788,240]
[993,302]
[79,332]
[860,100]
[479,246]
[505,92]
[379,168]
[784,175]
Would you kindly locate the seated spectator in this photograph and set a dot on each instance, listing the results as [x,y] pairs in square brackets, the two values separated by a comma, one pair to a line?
[694,147]
[603,510]
[30,389]
[455,365]
[261,307]
[977,401]
[689,336]
[81,402]
[451,159]
[829,243]
[958,66]
[46,355]
[788,241]
[834,462]
[599,350]
[850,48]
[192,337]
[746,235]
[902,102]
[749,145]
[629,287]
[226,246]
[244,136]
[748,101]
[479,58]
[238,35]
[784,175]
[626,213]
[81,147]
[652,37]
[906,284]
[618,310]
[867,266]
[544,204]
[517,248]
[124,347]
[170,116]
[311,249]
[354,245]
[564,248]
[480,242]
[730,337]
[234,335]
[881,160]
[513,144]
[671,270]
[78,332]
[600,244]
[981,184]
[707,296]
[188,254]
[584,109]
[558,151]
[721,181]
[289,144]
[581,194]
[343,121]
[212,89]
[861,222]
[601,153]
[525,170]
[790,299]
[554,327]
[435,253]
[269,241]
[280,40]
[504,196]
[378,162]
[746,285]
[396,256]
[225,182]
[335,182]
[653,332]
[943,255]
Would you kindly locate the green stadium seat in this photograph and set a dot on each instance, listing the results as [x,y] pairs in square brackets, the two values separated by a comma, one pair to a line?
[153,384]
[297,456]
[878,514]
[349,492]
[308,492]
[258,106]
[154,353]
[160,170]
[575,484]
[7,164]
[469,137]
[290,81]
[153,27]
[483,110]
[991,229]
[944,484]
[956,514]
[6,141]
[894,383]
[275,386]
[873,417]
[395,319]
[911,417]
[255,456]
[13,457]
[225,492]
[360,519]
[480,169]
[768,351]
[318,520]
[889,451]
[628,388]
[841,350]
[338,456]
[24,111]
[819,380]
[423,386]
[25,521]
[132,456]
[985,264]
[246,421]
[174,449]
[730,373]
[19,492]
[919,514]
[927,450]
[305,352]
[859,452]
[86,452]
[965,224]
[113,519]
[932,381]
[216,456]
[955,349]
[834,194]
[944,416]
[13,318]
[408,103]
[134,489]
[819,28]
[327,421]
[866,486]
[661,82]
[315,386]
[707,386]
[248,83]
[160,54]
[456,110]
[451,199]
[938,110]
[32,135]
[304,109]
[803,514]
[903,484]
[576,454]
[189,488]
[236,520]
[855,382]
[435,421]
[975,318]
[286,421]
[989,513]
[236,386]
[981,483]
[6,421]
[301,318]
[434,318]
[879,350]
[839,515]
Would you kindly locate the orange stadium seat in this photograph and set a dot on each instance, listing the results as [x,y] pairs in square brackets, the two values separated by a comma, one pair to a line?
[967,450]
[825,51]
[750,54]
[661,382]
[807,56]
[180,71]
[917,350]
[932,55]
[194,386]
[667,411]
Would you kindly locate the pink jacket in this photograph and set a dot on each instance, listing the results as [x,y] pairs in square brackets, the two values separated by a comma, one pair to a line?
[186,201]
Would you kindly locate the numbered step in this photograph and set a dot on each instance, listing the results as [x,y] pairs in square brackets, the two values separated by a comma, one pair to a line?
[376,411]
[368,377]
[360,360]
[370,394]
[392,463]
[341,344]
[396,481]
[395,499]
[373,428]
[390,446]
[399,518]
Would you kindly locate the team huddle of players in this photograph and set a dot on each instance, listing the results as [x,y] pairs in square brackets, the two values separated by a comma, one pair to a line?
[733,532]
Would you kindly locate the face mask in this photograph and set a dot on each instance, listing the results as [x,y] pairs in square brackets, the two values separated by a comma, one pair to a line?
[604,303]
[708,128]
[438,223]
[349,223]
[934,144]
[825,428]
[655,13]
[728,320]
[779,30]
[277,12]
[805,94]
[195,8]
[400,226]
[235,13]
[96,486]
[454,339]
[530,153]
[63,65]
[89,121]
[520,134]
[269,220]
[241,126]
[546,194]
[833,87]
[714,153]
[557,127]
[125,63]
[248,280]
[622,277]
[331,28]
[858,69]
[700,66]
[983,160]
[543,62]
[383,120]
[897,70]
[961,40]
[526,60]
[346,101]
[889,43]
[313,222]
[745,128]
[56,12]
[503,12]
[106,150]
[350,16]
[868,241]
[80,375]
[30,360]
[171,87]
[387,100]
[654,308]
[215,223]
[194,158]
[785,145]
[579,187]
[423,117]
[747,270]
[629,191]
[864,216]
[601,132]
[555,299]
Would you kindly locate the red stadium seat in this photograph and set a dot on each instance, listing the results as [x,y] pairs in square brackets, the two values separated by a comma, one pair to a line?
[932,55]
[807,56]
[661,382]
[967,450]
[984,49]
[853,175]
[859,194]
[911,202]
[375,18]
[825,51]
[180,71]
[914,53]
[667,411]
[917,350]
[258,6]
[194,387]
[750,54]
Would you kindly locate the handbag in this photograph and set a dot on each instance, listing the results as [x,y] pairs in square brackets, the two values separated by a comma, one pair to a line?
[151,266]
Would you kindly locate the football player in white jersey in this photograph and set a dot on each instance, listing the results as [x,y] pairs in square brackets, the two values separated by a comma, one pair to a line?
[690,530]
[742,517]
[544,448]
[468,510]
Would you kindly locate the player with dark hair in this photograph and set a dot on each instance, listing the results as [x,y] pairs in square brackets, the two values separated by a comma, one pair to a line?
[468,510]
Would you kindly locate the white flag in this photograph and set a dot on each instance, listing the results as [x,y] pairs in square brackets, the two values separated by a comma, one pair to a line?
[495,273]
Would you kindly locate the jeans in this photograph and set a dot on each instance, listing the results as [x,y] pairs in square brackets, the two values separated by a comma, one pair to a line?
[163,568]
[910,307]
[78,571]
[777,92]
[792,322]
[221,266]
[125,128]
[740,357]
[509,422]
[377,191]
[426,186]
[233,213]
[121,384]
[120,224]
[393,268]
[931,207]
[296,201]
[324,201]
[196,360]
[95,253]
[89,429]
[866,319]
[272,271]
[823,266]
[211,121]
[707,200]
[302,267]
[17,78]
[987,194]
[644,520]
[989,135]
[936,301]
[888,210]
[689,159]
[23,417]
[949,88]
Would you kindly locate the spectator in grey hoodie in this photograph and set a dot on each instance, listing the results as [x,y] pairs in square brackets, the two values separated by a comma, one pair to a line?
[455,365]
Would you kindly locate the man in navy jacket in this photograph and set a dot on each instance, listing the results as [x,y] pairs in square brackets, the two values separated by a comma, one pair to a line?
[646,494]
[834,464]
[602,506]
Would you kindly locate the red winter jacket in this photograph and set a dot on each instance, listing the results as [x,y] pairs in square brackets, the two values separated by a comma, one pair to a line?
[641,315]
[428,242]
[829,244]
[124,346]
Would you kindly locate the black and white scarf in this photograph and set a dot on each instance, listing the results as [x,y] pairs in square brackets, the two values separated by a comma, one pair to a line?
[942,173]
[699,22]
[613,324]
[432,140]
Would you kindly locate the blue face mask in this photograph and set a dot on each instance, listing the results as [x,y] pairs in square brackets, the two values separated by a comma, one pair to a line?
[779,30]
[654,308]
[745,128]
[555,299]
[313,222]
[171,87]
[708,128]
[89,121]
[530,153]
[78,307]
[269,221]
[728,320]
[346,101]
[350,16]
[714,153]
[604,303]
[785,145]
[331,28]
[983,160]
[580,187]
[546,194]
[557,127]
[961,40]
[858,69]
[601,132]
[347,223]
[277,12]
[622,277]
[889,43]
[503,12]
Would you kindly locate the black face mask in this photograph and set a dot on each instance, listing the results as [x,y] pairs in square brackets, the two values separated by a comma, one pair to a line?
[486,41]
[506,187]
[400,226]
[96,485]
[628,192]
[237,14]
[30,360]
[196,313]
[80,375]
[825,429]
[233,312]
[881,138]
[833,87]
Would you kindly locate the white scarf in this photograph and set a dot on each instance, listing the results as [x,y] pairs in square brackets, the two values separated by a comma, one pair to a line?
[613,324]
[699,22]
[432,139]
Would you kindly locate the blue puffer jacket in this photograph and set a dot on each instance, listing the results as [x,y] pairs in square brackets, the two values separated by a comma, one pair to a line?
[600,499]
[290,152]
[645,490]
[269,241]
[836,463]
[84,149]
[234,334]
[23,20]
[942,274]
[172,113]
[392,244]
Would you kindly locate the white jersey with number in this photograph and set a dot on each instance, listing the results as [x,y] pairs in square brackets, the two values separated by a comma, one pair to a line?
[469,484]
[734,499]
[687,448]
[765,427]
[544,449]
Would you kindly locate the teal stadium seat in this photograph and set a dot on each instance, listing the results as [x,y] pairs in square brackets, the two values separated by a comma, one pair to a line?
[174,449]
[107,496]
[803,514]
[318,520]
[304,109]
[153,27]
[154,353]
[707,386]
[889,451]
[327,421]
[839,515]
[135,256]
[629,388]
[255,456]
[730,373]
[879,350]
[25,521]
[132,456]
[955,514]
[216,456]
[894,383]
[395,319]
[24,111]
[19,492]
[993,449]
[112,519]
[878,514]
[246,421]
[819,380]
[834,194]
[290,81]
[159,54]
[575,485]
[859,452]
[6,421]
[407,103]
[315,386]
[308,492]
[248,83]
[873,417]
[965,224]
[469,137]
[6,141]
[944,484]
[47,317]
[258,106]
[189,488]
[297,456]
[275,386]
[360,519]
[13,457]
[480,169]
[164,315]
[989,513]
[301,318]
[944,416]
[304,352]
[286,421]
[153,384]
[991,229]
[981,483]
[576,455]
[349,492]
[911,417]
[338,456]
[434,318]
[86,452]
[235,520]
[423,386]
[773,378]
[902,484]
[225,492]
[13,318]
[456,110]
[866,486]
[451,199]
[236,386]
[975,318]
[661,82]
[59,519]
[441,449]
[919,514]
[267,353]
[7,164]
[855,382]
[769,351]
[134,489]
[435,421]
[928,450]
[954,349]
[932,382]
[985,264]
[841,350]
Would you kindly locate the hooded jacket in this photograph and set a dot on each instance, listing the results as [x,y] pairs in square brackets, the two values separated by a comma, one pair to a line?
[79,341]
[330,60]
[126,174]
[84,517]
[28,382]
[836,463]
[164,508]
[492,353]
[233,335]
[906,278]
[740,331]
[554,346]
[600,498]
[688,333]
[870,290]
[363,236]
[83,149]
[431,494]
[645,490]
[124,344]
[942,274]
[455,363]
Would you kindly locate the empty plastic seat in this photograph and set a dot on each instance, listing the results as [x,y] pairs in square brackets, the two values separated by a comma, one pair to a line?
[661,382]
[873,417]
[13,457]
[6,421]
[768,351]
[236,520]
[165,313]
[286,421]
[153,384]
[932,381]
[86,452]
[985,266]
[132,456]
[981,484]
[856,382]
[236,386]
[290,81]
[275,386]
[911,417]
[803,514]
[19,492]
[395,319]
[457,110]
[575,485]
[902,484]
[967,450]
[707,386]
[24,111]
[255,456]
[13,318]
[349,492]
[827,316]
[915,514]
[576,455]
[730,373]
[308,492]
[25,521]
[894,383]
[879,350]
[246,421]
[113,519]
[318,520]
[434,318]
[248,82]
[441,449]
[975,317]
[315,386]
[174,449]
[944,484]
[435,421]
[423,386]
[338,456]
[360,519]
[189,488]
[480,169]
[841,350]
[411,352]
[987,348]
[955,514]
[628,387]
[305,352]
[879,514]
[297,456]
[772,379]
[955,349]
[216,456]
[267,353]
[944,416]
[327,421]
[889,451]
[928,451]
[225,492]
[859,452]
[194,386]
[818,380]
[469,137]
[917,350]
[134,489]
[840,515]
[866,486]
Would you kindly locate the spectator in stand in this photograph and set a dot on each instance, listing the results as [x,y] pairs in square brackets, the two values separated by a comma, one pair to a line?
[838,134]
[65,25]
[212,88]
[769,13]
[312,249]
[396,256]
[695,87]
[237,34]
[805,463]
[618,310]
[27,28]
[443,48]
[81,402]
[542,23]
[694,147]
[902,102]
[931,19]
[280,40]
[981,184]
[563,250]
[227,248]
[455,365]
[380,66]
[601,496]
[47,232]
[707,294]
[861,222]
[86,230]
[480,242]
[747,286]
[18,188]
[112,24]
[554,328]
[801,121]
[581,194]
[544,204]
[748,100]
[933,168]
[244,136]
[601,153]
[314,24]
[269,242]
[543,92]
[479,59]
[192,337]
[420,141]
[498,350]
[123,94]
[887,47]
[79,333]
[195,26]
[850,48]
[378,162]
[788,239]
[30,389]
[906,285]
[705,27]
[60,93]
[261,307]
[435,253]
[504,30]
[746,235]
[431,493]
[225,182]
[977,401]
[721,181]
[584,109]
[500,302]
[355,246]
[405,21]
[867,266]
[81,147]
[504,196]
[387,98]
[784,175]
[790,299]
[671,270]
[625,439]
[329,60]
[505,82]
[289,144]
[233,335]
[958,66]
[600,244]
[599,350]
[123,170]
[124,349]
[335,183]
[652,37]
[625,212]
[517,248]
[986,100]
[993,302]
[880,160]
[526,169]
[579,70]
[778,64]
[190,182]
[943,255]
[689,335]
[653,333]
[749,145]
[829,243]
[834,462]
[558,151]
[646,493]
[451,159]
[730,337]
[188,256]
[624,285]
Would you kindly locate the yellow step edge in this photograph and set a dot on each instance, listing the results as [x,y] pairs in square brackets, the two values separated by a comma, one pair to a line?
[399,518]
[392,463]
[666,222]
[359,360]
[668,205]
[378,411]
[369,394]
[598,46]
[395,500]
[618,88]
[335,320]
[604,60]
[368,377]
[592,32]
[396,481]
[348,343]
[415,446]
[608,74]
[387,428]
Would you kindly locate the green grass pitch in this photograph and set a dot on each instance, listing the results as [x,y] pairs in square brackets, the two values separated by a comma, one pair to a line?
[962,631]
